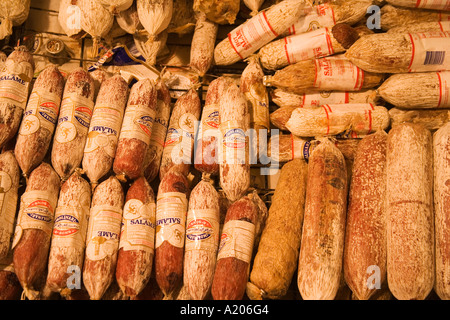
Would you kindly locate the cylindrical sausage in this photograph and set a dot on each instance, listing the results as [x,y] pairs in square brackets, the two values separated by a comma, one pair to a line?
[9,187]
[235,251]
[69,233]
[104,128]
[202,45]
[206,148]
[159,130]
[409,212]
[234,166]
[277,254]
[102,240]
[73,123]
[171,209]
[441,146]
[137,239]
[202,239]
[14,90]
[31,242]
[365,240]
[322,244]
[136,131]
[179,145]
[39,119]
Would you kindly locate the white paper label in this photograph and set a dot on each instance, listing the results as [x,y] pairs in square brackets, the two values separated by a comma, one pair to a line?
[233,148]
[444,89]
[360,124]
[137,123]
[202,230]
[138,226]
[324,97]
[41,112]
[323,16]
[70,227]
[338,74]
[103,232]
[171,211]
[251,35]
[429,51]
[444,25]
[179,144]
[237,240]
[14,82]
[74,117]
[104,129]
[159,128]
[37,209]
[309,45]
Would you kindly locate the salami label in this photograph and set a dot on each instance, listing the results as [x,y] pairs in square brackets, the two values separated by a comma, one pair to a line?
[338,74]
[104,129]
[324,97]
[232,150]
[202,230]
[171,210]
[41,112]
[237,240]
[179,142]
[361,123]
[137,123]
[103,232]
[323,16]
[429,52]
[159,129]
[37,209]
[138,226]
[14,82]
[251,35]
[444,89]
[74,118]
[309,45]
[70,227]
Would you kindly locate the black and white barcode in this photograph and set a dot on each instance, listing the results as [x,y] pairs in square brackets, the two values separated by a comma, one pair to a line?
[434,57]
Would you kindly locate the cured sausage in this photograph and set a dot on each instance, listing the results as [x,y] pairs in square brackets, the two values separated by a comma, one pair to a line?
[235,251]
[136,131]
[171,209]
[234,169]
[73,123]
[159,131]
[137,239]
[102,240]
[104,129]
[322,243]
[32,235]
[69,234]
[39,119]
[409,212]
[14,91]
[202,239]
[179,145]
[365,240]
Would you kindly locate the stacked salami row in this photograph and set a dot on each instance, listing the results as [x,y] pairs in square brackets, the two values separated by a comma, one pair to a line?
[88,218]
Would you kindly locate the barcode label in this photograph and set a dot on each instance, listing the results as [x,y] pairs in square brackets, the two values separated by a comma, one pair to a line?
[430,51]
[434,57]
